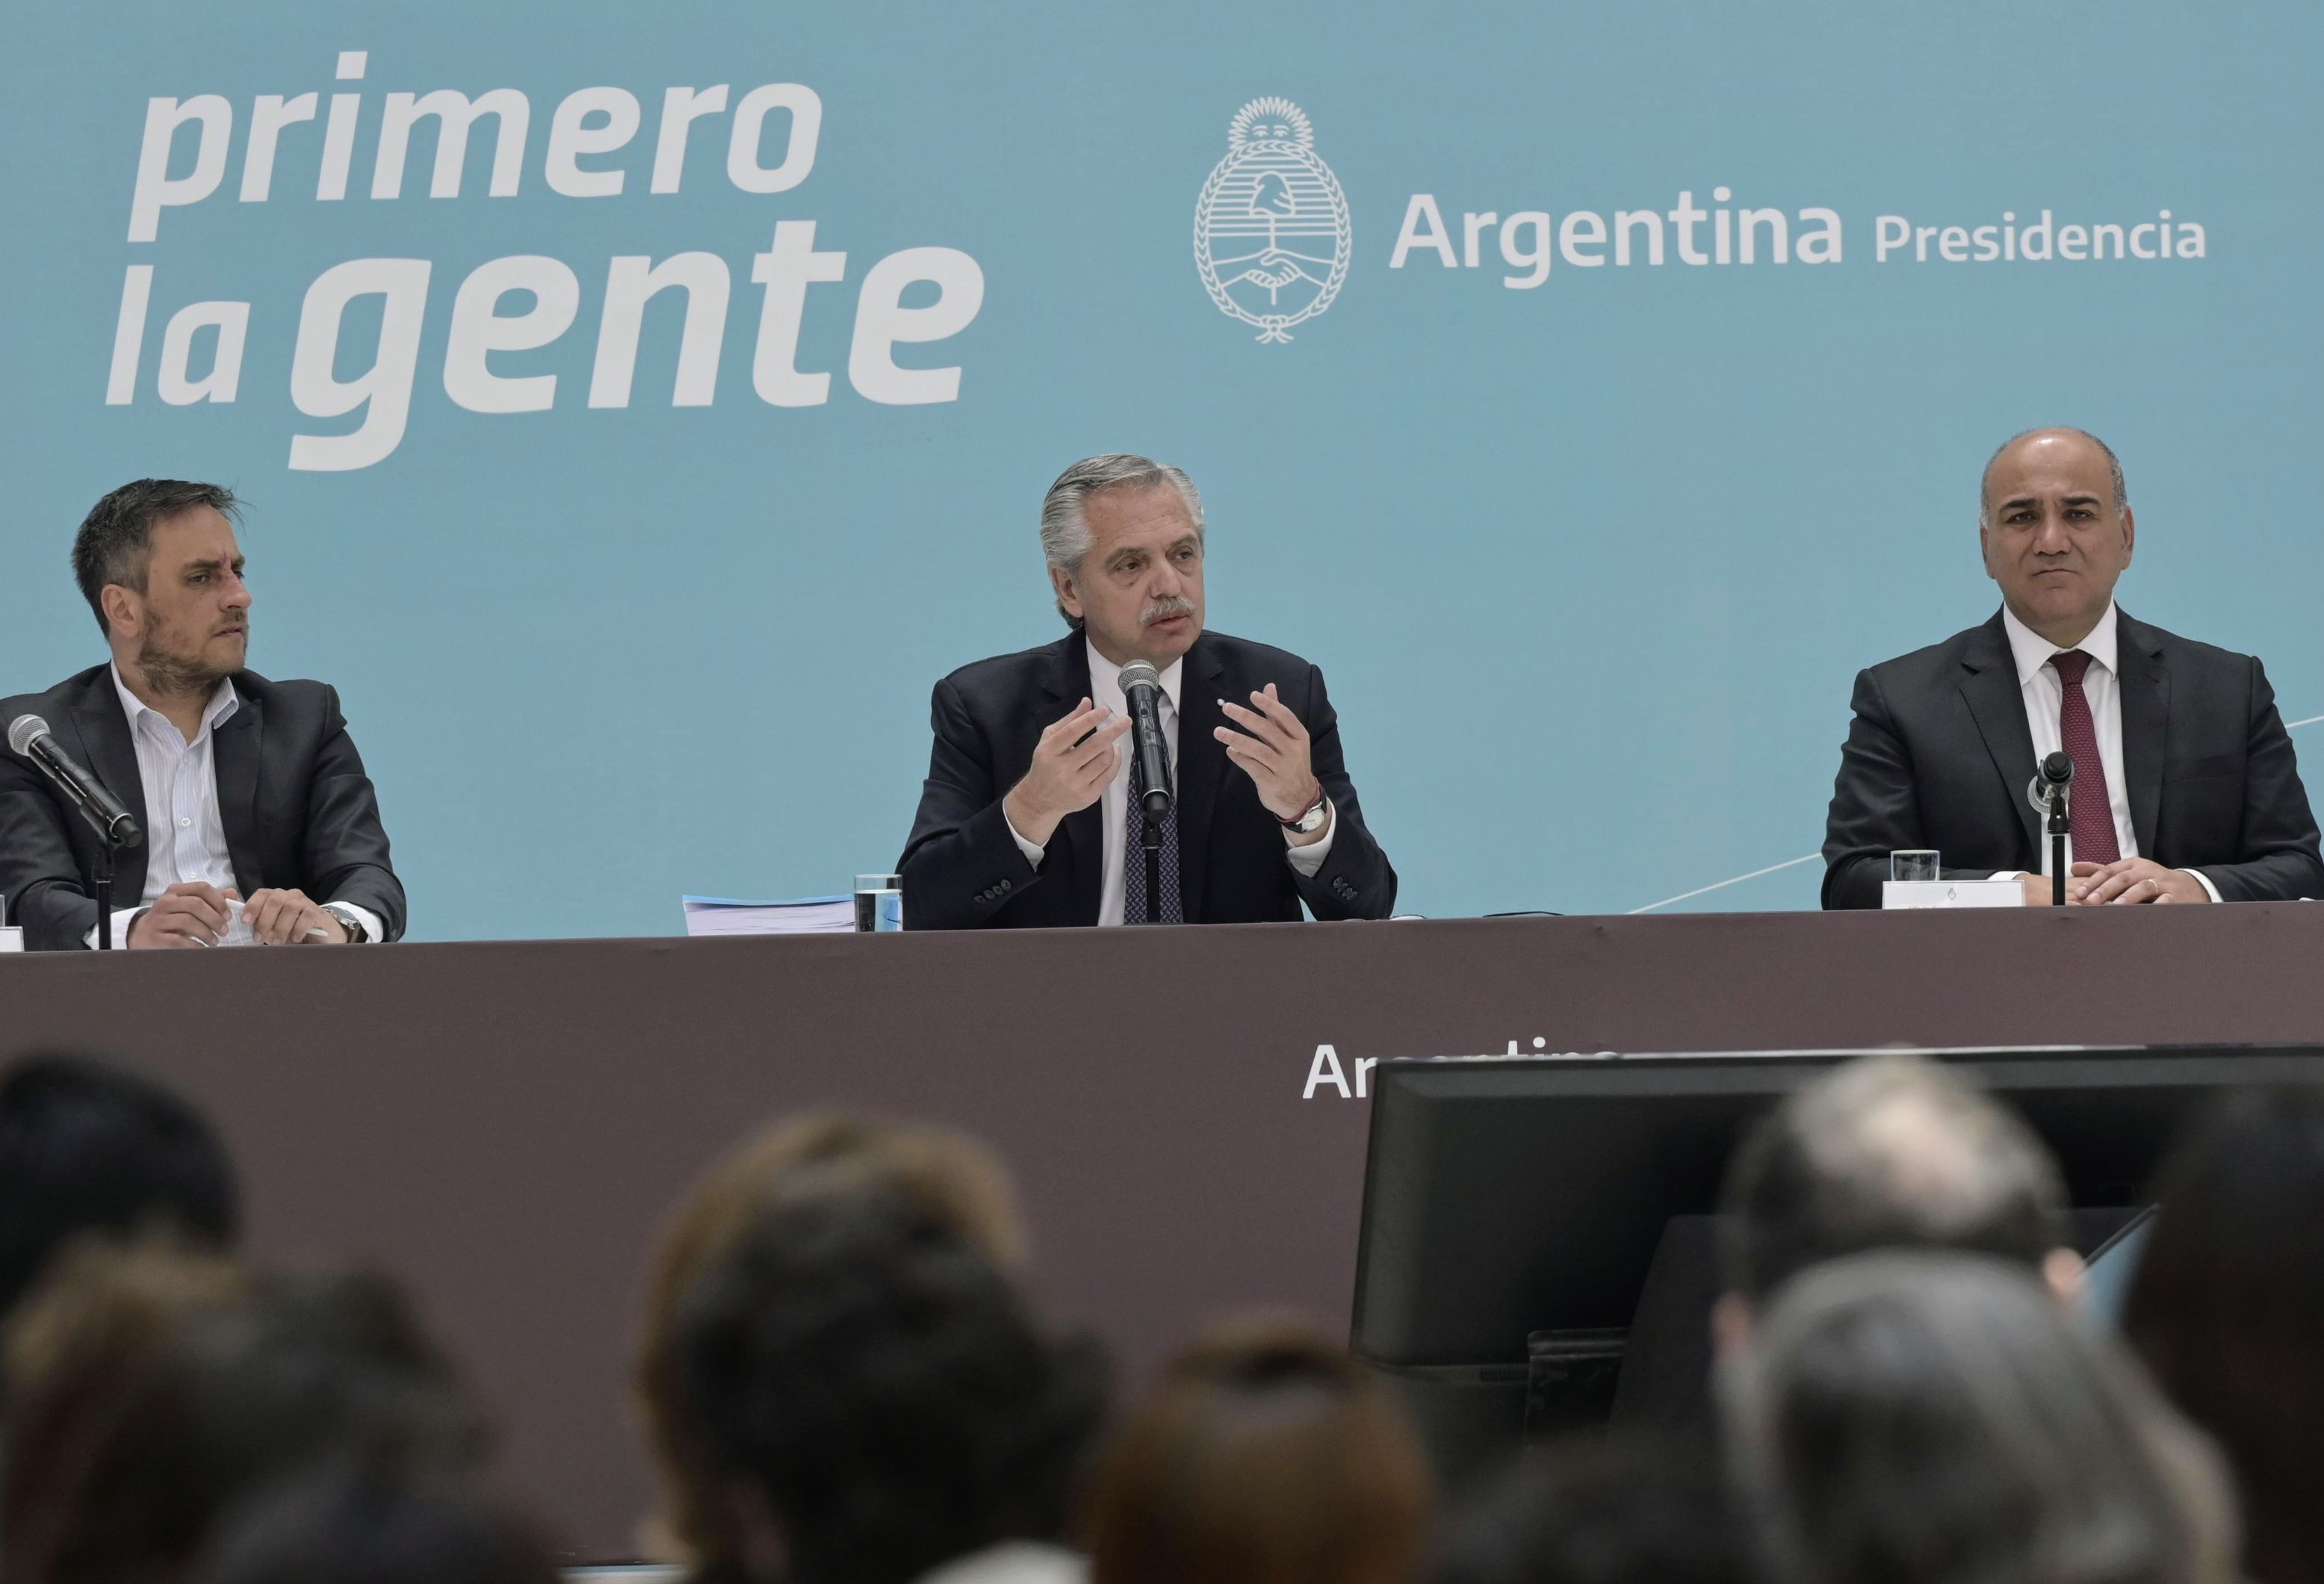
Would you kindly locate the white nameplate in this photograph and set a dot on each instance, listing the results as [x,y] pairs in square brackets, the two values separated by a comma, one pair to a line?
[11,939]
[1952,894]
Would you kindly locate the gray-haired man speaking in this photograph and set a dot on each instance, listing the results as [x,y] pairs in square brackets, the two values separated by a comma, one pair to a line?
[1028,818]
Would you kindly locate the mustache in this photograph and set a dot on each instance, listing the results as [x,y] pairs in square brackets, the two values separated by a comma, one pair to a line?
[1162,610]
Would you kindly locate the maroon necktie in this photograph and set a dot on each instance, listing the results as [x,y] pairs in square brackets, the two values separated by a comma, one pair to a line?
[2091,805]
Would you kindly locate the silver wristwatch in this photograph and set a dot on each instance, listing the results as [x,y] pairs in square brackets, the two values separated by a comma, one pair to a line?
[1308,824]
[356,934]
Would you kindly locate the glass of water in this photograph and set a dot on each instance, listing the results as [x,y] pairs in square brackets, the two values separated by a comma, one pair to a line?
[878,903]
[1914,863]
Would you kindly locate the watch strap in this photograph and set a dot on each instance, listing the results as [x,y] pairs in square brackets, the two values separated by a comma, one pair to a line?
[1300,819]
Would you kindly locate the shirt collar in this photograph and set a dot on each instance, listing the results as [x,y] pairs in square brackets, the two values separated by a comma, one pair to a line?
[1105,677]
[2032,651]
[223,703]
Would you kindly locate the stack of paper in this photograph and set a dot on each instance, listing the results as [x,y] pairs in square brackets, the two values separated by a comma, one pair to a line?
[723,916]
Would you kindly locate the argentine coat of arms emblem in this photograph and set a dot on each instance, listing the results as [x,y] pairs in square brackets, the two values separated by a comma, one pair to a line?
[1272,239]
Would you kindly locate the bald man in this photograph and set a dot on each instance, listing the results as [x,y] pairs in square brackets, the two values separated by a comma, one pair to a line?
[2185,786]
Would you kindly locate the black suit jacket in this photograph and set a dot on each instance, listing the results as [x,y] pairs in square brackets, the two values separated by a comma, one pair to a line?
[1939,755]
[298,810]
[962,868]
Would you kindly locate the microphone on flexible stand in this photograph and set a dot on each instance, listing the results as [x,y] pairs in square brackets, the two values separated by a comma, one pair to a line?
[1141,685]
[1141,688]
[2047,793]
[28,739]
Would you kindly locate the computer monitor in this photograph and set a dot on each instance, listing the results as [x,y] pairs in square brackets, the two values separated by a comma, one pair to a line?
[1512,1208]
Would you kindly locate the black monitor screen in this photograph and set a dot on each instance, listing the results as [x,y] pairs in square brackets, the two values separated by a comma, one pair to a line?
[1507,1198]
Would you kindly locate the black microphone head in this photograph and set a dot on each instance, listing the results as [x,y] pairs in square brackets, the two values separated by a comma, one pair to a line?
[24,732]
[2058,769]
[1140,674]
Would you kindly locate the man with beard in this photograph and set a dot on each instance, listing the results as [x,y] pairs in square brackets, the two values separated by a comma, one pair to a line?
[259,820]
[1028,815]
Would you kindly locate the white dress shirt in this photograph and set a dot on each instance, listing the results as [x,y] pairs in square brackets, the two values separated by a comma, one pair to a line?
[2045,692]
[185,834]
[1113,803]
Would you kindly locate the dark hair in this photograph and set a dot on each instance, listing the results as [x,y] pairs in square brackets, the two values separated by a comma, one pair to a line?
[89,1147]
[960,1180]
[1936,1418]
[1890,1151]
[228,1395]
[1263,1455]
[347,1525]
[867,1368]
[2228,1309]
[115,538]
[1620,1509]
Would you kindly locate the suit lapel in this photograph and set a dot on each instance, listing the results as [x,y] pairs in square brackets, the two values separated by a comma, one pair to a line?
[235,745]
[1201,764]
[2145,686]
[1989,687]
[1083,834]
[106,749]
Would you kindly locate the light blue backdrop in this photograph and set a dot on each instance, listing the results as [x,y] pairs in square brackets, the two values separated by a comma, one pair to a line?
[1589,566]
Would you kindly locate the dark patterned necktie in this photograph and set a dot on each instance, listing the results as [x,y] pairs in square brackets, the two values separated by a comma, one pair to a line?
[2091,805]
[1133,858]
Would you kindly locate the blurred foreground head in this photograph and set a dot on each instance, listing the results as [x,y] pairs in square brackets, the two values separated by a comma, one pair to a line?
[2228,1310]
[1889,1152]
[956,1180]
[152,1391]
[91,1149]
[1264,1454]
[874,1397]
[1921,1418]
[1603,1510]
[347,1525]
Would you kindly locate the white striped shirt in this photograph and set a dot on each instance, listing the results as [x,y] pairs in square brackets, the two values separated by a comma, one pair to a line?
[185,833]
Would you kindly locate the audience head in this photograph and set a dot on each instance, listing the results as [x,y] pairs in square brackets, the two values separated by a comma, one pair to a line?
[955,1179]
[873,1397]
[2228,1309]
[160,1389]
[86,1148]
[1604,1510]
[1890,1151]
[346,1525]
[1935,1418]
[1263,1455]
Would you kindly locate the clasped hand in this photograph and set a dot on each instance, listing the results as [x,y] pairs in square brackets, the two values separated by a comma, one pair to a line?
[193,913]
[2126,880]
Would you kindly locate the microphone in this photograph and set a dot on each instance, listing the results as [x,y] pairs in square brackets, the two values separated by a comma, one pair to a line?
[2056,773]
[28,737]
[1141,685]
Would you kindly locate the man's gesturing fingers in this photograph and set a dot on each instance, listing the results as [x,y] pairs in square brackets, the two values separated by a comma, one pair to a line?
[1098,762]
[1064,732]
[1280,713]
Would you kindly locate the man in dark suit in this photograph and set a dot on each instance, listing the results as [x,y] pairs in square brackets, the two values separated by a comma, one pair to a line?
[2185,786]
[1026,819]
[259,822]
